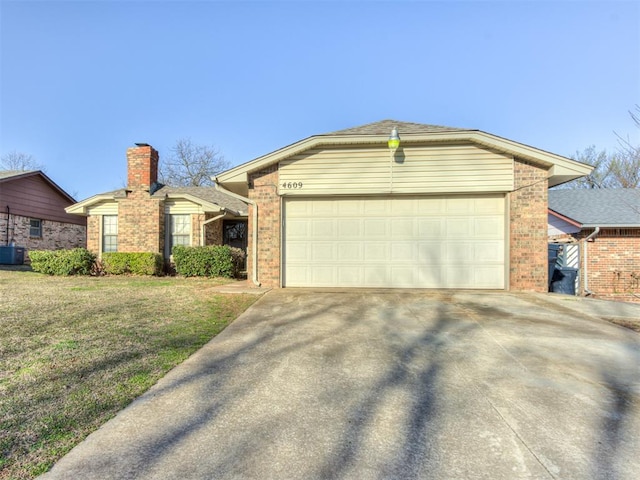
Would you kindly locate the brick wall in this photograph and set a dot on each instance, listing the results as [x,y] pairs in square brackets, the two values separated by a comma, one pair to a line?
[55,235]
[213,230]
[613,264]
[142,167]
[140,223]
[263,189]
[93,233]
[528,229]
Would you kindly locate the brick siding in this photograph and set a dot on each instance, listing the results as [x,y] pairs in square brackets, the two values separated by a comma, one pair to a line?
[528,229]
[527,216]
[140,223]
[55,235]
[613,264]
[263,189]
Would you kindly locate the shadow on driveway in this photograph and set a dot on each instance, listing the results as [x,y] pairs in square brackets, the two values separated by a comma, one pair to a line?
[380,385]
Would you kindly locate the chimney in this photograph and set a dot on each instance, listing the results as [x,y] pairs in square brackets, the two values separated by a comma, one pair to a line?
[142,167]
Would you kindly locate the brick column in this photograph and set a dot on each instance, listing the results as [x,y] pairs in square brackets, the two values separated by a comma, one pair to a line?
[263,189]
[528,229]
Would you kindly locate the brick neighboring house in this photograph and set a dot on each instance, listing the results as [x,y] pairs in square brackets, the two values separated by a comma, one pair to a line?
[150,217]
[33,213]
[448,208]
[610,220]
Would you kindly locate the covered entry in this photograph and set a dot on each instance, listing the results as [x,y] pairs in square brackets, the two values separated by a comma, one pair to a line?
[396,241]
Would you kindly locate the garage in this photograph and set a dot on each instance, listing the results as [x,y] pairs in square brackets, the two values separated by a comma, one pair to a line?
[395,242]
[396,204]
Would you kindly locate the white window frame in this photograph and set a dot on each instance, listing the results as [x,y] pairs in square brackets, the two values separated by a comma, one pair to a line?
[179,230]
[110,231]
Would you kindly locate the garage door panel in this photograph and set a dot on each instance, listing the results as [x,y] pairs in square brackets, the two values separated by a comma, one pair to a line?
[375,252]
[321,228]
[488,227]
[412,242]
[350,252]
[349,228]
[376,228]
[403,251]
[431,227]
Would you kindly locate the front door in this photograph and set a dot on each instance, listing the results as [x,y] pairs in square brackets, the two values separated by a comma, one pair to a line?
[234,234]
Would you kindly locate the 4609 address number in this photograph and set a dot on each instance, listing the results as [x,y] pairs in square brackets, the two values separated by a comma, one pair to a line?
[292,185]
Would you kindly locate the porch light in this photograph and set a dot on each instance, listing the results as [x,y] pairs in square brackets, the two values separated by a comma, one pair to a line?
[394,140]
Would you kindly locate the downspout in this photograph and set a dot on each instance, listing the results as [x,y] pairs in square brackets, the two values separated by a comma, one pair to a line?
[592,235]
[8,218]
[254,233]
[204,224]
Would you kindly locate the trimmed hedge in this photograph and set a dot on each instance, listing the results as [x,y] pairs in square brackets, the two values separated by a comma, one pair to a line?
[136,263]
[78,261]
[208,261]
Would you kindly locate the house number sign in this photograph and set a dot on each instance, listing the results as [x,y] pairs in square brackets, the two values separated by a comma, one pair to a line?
[292,185]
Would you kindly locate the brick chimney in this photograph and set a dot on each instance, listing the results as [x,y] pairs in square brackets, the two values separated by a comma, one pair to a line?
[142,167]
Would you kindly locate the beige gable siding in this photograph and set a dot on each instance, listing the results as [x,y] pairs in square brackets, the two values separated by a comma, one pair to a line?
[179,206]
[427,169]
[108,207]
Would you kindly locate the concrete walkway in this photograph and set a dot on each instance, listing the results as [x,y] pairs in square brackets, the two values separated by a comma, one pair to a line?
[389,385]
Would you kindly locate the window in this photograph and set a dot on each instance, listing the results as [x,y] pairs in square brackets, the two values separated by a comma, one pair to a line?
[109,233]
[180,230]
[35,227]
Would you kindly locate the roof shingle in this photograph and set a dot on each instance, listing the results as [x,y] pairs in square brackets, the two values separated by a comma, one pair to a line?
[384,127]
[613,207]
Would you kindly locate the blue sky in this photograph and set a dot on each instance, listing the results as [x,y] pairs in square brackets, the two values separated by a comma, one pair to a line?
[81,81]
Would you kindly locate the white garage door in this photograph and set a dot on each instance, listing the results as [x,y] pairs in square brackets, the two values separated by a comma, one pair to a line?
[406,242]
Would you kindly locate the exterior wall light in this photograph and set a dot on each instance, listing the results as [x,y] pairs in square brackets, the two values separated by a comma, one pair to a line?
[394,140]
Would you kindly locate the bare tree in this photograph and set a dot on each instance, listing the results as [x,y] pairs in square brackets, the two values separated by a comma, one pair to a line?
[620,169]
[20,161]
[191,165]
[600,177]
[626,168]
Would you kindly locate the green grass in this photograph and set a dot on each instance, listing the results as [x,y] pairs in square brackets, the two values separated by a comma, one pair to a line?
[76,350]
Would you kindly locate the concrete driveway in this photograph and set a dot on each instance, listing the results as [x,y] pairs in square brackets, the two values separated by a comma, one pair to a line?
[389,385]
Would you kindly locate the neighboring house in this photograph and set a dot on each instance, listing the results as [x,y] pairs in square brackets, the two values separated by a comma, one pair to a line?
[605,223]
[33,213]
[449,208]
[149,217]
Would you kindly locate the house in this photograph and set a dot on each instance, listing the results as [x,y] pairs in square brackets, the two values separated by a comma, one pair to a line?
[430,207]
[603,227]
[33,213]
[146,216]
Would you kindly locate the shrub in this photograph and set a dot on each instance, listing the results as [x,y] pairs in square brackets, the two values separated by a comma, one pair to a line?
[136,263]
[209,261]
[78,261]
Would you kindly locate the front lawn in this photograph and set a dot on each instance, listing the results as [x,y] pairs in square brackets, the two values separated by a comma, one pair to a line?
[76,350]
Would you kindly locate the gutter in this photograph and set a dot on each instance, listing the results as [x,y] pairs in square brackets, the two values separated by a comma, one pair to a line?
[591,236]
[254,232]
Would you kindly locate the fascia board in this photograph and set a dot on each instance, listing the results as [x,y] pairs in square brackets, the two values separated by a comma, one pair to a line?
[564,218]
[611,225]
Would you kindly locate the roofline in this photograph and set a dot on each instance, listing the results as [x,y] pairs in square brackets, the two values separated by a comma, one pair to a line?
[564,169]
[209,206]
[80,208]
[569,220]
[610,225]
[30,173]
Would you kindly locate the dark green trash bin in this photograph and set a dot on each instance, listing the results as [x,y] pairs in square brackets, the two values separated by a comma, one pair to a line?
[564,280]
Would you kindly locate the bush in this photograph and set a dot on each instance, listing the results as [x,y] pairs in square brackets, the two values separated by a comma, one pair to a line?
[209,261]
[136,263]
[78,261]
